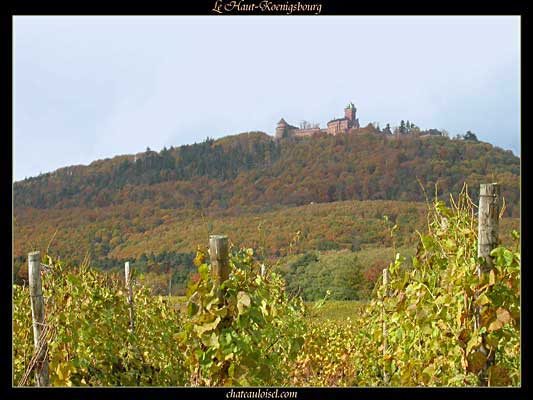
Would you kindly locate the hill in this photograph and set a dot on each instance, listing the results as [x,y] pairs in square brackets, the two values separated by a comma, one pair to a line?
[287,197]
[252,171]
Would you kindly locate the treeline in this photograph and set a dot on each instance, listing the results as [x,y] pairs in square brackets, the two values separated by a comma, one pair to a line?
[252,170]
[337,275]
[97,184]
[165,273]
[125,234]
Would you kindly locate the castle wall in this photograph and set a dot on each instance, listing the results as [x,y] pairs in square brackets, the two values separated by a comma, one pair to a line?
[338,126]
[304,132]
[279,132]
[334,127]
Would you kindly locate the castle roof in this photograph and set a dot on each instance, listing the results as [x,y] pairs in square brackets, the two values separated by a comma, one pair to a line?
[282,122]
[337,119]
[350,105]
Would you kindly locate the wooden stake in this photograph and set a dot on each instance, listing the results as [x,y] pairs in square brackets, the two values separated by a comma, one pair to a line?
[37,315]
[488,224]
[219,253]
[129,288]
[386,279]
[488,213]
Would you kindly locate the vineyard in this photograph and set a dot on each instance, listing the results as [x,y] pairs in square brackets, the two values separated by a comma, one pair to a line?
[433,320]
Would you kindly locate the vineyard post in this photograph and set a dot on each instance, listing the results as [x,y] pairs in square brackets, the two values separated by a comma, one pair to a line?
[218,249]
[129,288]
[488,220]
[37,315]
[488,214]
[386,278]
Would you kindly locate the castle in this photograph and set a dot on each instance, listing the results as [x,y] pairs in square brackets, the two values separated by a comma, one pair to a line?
[334,127]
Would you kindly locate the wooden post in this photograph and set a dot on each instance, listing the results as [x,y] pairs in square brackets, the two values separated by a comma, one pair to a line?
[386,279]
[129,288]
[219,253]
[218,248]
[488,214]
[37,315]
[488,224]
[263,270]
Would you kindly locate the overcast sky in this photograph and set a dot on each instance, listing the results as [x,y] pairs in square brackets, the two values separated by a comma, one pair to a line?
[88,88]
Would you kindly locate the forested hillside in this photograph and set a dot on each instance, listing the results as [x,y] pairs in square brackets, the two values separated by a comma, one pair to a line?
[295,196]
[253,171]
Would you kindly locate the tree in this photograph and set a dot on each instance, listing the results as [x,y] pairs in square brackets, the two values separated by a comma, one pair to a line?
[403,129]
[308,125]
[470,136]
[414,128]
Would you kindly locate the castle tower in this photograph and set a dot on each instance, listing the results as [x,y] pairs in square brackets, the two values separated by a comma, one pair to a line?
[349,112]
[281,129]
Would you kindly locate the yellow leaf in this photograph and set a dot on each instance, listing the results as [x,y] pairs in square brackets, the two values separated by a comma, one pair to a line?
[495,325]
[200,257]
[243,300]
[59,372]
[492,278]
[503,315]
[201,329]
[482,300]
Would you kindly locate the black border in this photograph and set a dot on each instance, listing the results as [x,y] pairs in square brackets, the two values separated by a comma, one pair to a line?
[204,7]
[330,7]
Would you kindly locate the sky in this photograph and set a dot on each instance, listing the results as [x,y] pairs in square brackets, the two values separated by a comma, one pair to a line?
[88,88]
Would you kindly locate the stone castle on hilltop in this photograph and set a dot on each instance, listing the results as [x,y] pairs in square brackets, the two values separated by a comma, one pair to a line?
[334,127]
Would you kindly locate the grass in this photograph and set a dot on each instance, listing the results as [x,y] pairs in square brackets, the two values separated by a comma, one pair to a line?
[331,310]
[335,310]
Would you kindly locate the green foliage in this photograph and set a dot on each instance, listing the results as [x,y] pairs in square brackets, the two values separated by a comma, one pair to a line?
[433,339]
[251,331]
[430,314]
[312,274]
[249,335]
[335,310]
[91,343]
[327,357]
[470,136]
